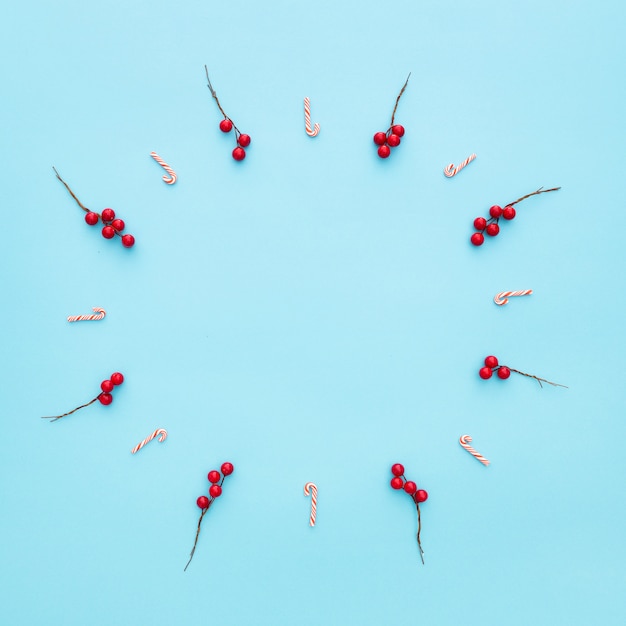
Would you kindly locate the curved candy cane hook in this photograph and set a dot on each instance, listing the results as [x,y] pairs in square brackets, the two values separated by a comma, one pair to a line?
[465,440]
[311,488]
[503,297]
[450,170]
[311,132]
[159,431]
[100,313]
[171,179]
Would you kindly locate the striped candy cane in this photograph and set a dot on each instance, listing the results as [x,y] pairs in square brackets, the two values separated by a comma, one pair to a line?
[503,297]
[311,132]
[159,431]
[450,170]
[100,313]
[311,488]
[465,441]
[166,167]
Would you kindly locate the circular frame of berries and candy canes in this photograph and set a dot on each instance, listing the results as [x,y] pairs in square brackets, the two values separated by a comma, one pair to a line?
[227,124]
[392,137]
[105,397]
[112,226]
[418,496]
[215,491]
[503,372]
[490,225]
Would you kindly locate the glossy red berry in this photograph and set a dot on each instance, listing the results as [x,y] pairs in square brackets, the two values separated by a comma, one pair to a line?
[108,215]
[410,487]
[477,239]
[397,129]
[108,232]
[106,385]
[105,398]
[244,141]
[495,211]
[491,361]
[117,378]
[397,482]
[508,213]
[226,126]
[214,476]
[239,154]
[202,502]
[128,241]
[393,140]
[485,373]
[397,469]
[215,491]
[504,372]
[118,225]
[421,495]
[227,469]
[384,152]
[480,223]
[380,139]
[91,218]
[492,229]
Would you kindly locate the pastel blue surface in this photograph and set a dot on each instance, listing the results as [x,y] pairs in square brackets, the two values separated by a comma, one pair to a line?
[313,313]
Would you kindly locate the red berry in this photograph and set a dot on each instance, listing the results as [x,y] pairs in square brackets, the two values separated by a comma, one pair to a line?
[239,154]
[477,239]
[504,372]
[214,476]
[493,229]
[117,378]
[410,487]
[128,241]
[244,141]
[393,140]
[226,125]
[227,469]
[397,469]
[491,361]
[105,398]
[108,232]
[215,491]
[480,223]
[397,482]
[508,213]
[108,215]
[485,373]
[398,130]
[91,218]
[202,502]
[384,152]
[495,211]
[421,495]
[380,139]
[106,385]
[118,225]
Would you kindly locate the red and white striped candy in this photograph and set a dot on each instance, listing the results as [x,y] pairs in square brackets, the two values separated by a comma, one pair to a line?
[159,431]
[503,297]
[450,170]
[172,178]
[465,440]
[311,488]
[100,313]
[311,132]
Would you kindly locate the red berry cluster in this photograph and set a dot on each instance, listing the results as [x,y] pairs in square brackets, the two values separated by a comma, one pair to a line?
[391,138]
[104,397]
[112,226]
[503,372]
[215,491]
[226,125]
[418,495]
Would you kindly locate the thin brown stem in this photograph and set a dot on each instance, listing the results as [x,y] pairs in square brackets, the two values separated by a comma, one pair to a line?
[534,193]
[539,380]
[393,115]
[219,106]
[419,530]
[195,543]
[80,204]
[54,418]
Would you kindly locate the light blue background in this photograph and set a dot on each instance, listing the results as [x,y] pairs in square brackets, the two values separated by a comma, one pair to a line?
[313,313]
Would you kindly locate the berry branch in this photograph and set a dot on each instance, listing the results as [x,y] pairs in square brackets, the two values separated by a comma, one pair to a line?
[392,137]
[503,372]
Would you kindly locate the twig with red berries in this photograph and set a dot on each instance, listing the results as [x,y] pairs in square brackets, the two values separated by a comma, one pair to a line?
[490,226]
[215,491]
[112,225]
[391,138]
[503,372]
[417,495]
[226,125]
[105,397]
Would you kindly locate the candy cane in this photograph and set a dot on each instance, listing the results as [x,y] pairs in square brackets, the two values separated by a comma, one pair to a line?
[465,441]
[503,297]
[166,167]
[311,488]
[82,318]
[159,431]
[450,170]
[311,132]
